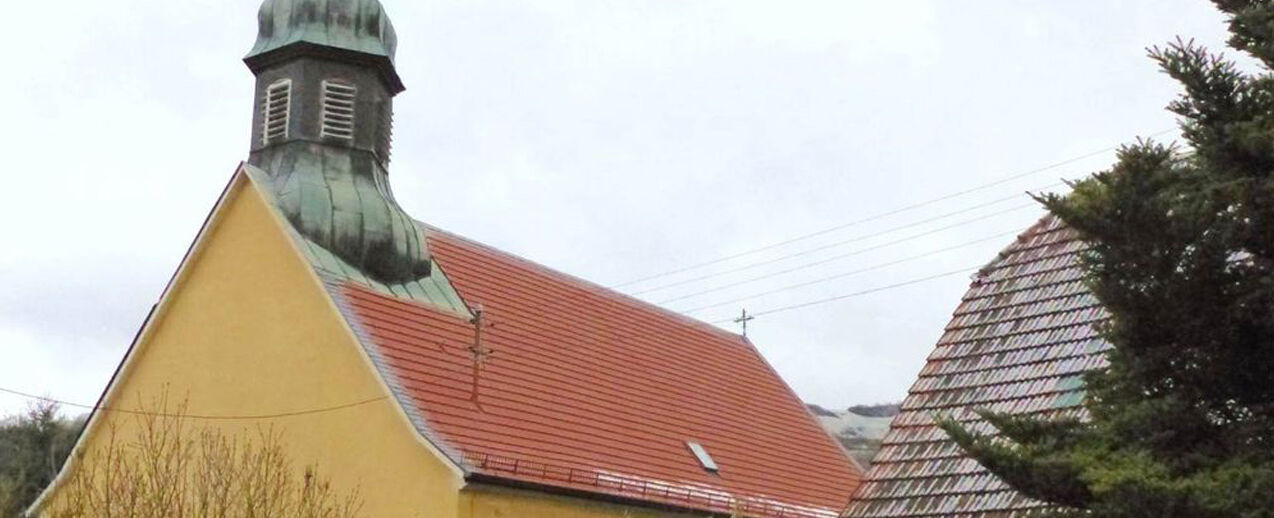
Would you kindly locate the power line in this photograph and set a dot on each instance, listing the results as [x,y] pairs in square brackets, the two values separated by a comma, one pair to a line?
[882,215]
[1000,235]
[96,408]
[852,240]
[856,294]
[817,263]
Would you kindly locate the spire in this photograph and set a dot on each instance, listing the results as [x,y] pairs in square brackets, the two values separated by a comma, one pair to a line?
[322,131]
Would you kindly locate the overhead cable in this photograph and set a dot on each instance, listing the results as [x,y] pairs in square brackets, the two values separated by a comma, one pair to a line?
[856,294]
[885,214]
[821,280]
[848,241]
[97,408]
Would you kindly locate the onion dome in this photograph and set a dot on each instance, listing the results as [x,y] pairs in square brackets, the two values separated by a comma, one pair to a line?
[344,30]
[321,133]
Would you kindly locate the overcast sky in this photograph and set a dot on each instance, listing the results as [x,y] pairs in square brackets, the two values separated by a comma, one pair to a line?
[612,140]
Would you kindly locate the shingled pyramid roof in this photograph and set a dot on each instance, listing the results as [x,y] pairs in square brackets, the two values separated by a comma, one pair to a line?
[1019,342]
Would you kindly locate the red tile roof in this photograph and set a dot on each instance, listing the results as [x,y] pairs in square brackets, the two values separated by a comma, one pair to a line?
[1019,342]
[591,391]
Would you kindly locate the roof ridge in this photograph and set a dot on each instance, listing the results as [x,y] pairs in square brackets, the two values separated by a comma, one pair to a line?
[1038,228]
[588,285]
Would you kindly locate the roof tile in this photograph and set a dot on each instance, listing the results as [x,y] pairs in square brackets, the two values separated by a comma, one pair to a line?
[590,390]
[1019,342]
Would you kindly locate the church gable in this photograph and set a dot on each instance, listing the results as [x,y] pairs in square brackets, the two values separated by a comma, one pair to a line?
[247,337]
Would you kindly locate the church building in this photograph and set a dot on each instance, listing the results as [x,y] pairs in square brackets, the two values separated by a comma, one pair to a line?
[437,375]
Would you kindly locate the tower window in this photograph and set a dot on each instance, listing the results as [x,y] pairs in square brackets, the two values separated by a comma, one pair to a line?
[276,110]
[338,109]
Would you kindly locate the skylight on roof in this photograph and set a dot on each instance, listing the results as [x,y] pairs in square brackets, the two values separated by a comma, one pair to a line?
[705,460]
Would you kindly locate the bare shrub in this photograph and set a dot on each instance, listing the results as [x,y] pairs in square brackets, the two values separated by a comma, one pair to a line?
[163,469]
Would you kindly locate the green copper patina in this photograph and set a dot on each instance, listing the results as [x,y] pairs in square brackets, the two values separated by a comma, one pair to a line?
[323,155]
[341,200]
[357,25]
[433,289]
[358,28]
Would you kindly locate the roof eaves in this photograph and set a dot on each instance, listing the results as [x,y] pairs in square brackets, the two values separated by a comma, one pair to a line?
[650,494]
[483,479]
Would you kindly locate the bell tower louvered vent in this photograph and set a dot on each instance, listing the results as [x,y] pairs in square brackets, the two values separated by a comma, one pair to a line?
[338,109]
[276,110]
[386,140]
[322,108]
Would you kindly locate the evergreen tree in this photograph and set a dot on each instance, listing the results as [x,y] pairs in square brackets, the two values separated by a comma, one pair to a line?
[32,448]
[1181,423]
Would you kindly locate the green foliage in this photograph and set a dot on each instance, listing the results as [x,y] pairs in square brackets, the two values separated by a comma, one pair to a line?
[32,449]
[1182,256]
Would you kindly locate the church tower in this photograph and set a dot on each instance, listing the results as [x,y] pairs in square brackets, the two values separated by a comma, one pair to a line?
[322,128]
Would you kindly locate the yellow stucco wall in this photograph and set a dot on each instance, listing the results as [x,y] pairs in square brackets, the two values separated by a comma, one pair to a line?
[247,330]
[496,502]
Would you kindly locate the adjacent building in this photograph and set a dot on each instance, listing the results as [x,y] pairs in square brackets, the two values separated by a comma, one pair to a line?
[1019,342]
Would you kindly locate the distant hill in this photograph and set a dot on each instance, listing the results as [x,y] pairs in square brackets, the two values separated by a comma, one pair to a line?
[882,410]
[859,428]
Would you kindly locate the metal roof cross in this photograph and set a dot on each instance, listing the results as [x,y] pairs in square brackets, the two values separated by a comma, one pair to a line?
[481,353]
[743,320]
